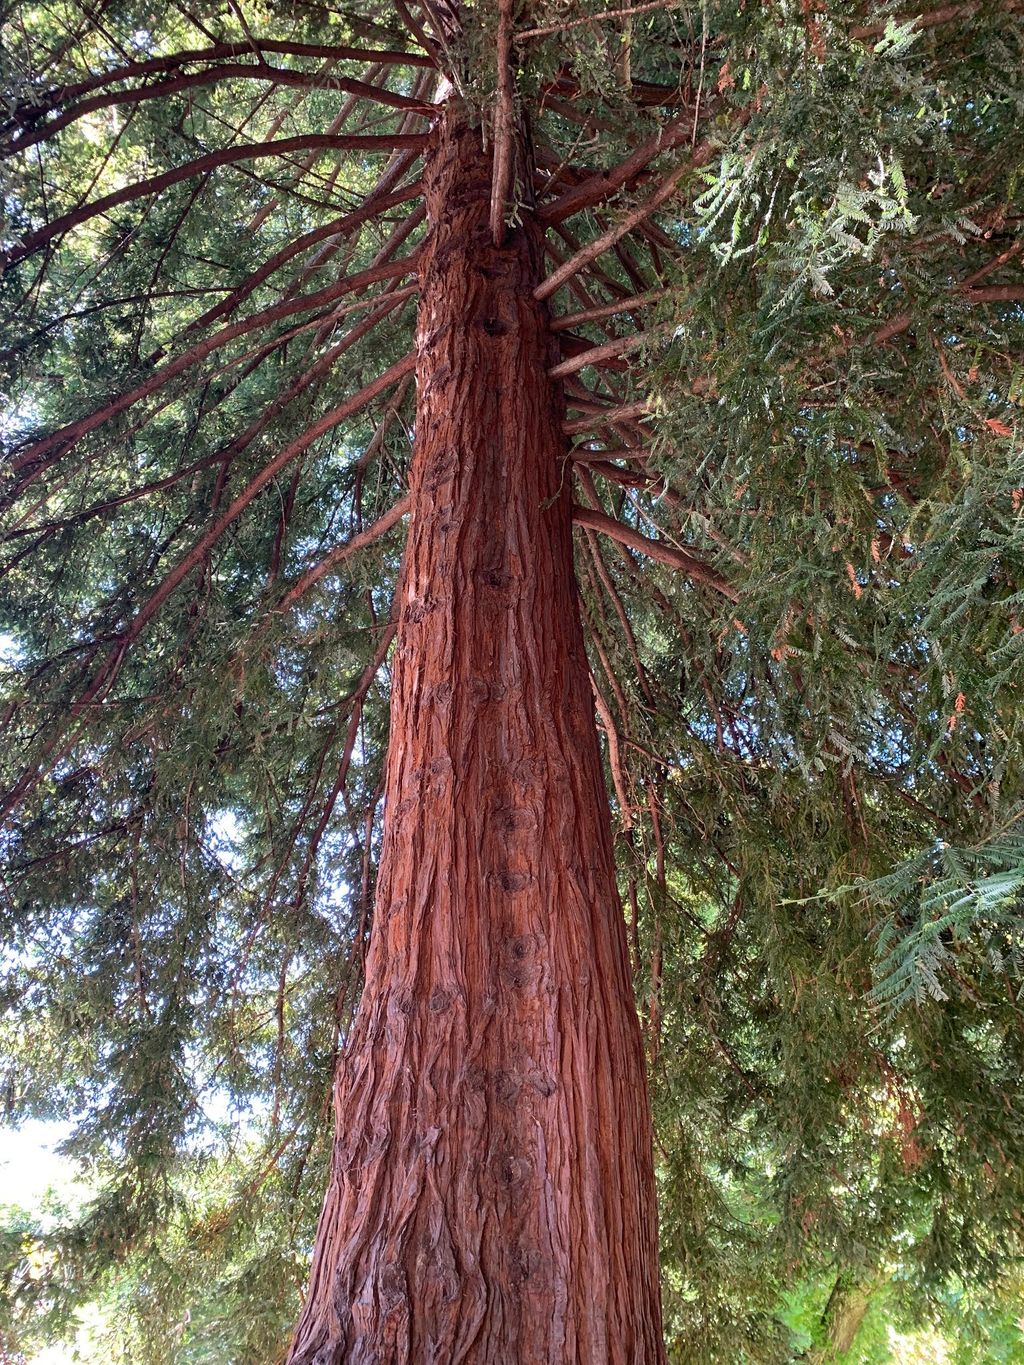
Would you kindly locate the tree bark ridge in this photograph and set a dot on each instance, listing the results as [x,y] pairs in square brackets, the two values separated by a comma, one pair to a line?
[492,1193]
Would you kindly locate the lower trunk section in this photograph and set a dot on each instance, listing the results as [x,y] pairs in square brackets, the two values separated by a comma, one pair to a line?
[844,1315]
[492,1196]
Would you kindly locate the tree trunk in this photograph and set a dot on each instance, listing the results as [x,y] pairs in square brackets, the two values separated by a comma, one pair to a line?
[492,1195]
[843,1316]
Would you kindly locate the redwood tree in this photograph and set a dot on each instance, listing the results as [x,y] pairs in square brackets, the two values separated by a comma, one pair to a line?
[491,1192]
[324,329]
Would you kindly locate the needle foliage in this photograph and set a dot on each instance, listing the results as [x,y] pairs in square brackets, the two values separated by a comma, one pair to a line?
[814,731]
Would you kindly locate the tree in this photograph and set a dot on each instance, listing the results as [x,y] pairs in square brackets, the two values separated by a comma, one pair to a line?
[737,294]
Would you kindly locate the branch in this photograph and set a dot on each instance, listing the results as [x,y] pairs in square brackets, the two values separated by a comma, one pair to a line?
[1014,250]
[419,33]
[570,321]
[282,76]
[623,617]
[269,472]
[324,322]
[382,305]
[145,490]
[596,354]
[995,293]
[573,346]
[356,703]
[992,293]
[593,123]
[338,556]
[57,95]
[601,415]
[395,169]
[601,186]
[655,549]
[647,94]
[614,760]
[67,435]
[105,676]
[627,478]
[594,18]
[662,489]
[581,455]
[504,119]
[929,20]
[348,222]
[612,286]
[223,157]
[701,156]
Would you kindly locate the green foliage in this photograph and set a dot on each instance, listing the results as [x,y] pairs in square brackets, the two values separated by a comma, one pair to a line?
[818,782]
[217,1282]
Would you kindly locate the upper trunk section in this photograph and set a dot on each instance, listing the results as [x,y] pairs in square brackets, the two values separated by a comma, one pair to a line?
[492,1196]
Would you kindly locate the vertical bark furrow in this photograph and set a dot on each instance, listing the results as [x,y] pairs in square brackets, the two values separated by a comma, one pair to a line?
[492,1195]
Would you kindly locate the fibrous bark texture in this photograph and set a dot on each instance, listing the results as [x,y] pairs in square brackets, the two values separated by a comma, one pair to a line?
[491,1197]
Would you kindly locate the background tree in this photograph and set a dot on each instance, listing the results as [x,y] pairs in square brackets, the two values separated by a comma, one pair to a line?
[785,245]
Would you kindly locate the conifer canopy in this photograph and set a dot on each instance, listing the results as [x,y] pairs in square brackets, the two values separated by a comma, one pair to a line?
[785,251]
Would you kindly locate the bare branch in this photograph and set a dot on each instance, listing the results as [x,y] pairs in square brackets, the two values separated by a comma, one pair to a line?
[504,120]
[599,18]
[601,415]
[419,33]
[596,354]
[358,542]
[623,616]
[665,190]
[570,321]
[995,293]
[645,93]
[46,100]
[581,455]
[614,760]
[655,549]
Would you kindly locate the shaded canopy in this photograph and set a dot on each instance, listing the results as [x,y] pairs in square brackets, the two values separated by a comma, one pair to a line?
[785,270]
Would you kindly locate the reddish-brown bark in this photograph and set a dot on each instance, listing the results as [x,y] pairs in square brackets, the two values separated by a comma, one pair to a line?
[700,156]
[491,1197]
[661,550]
